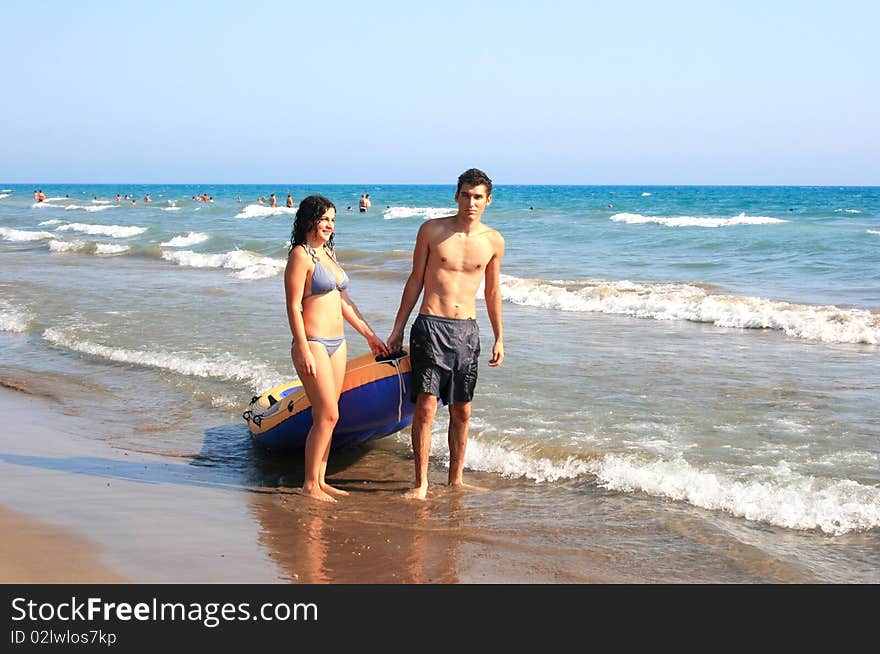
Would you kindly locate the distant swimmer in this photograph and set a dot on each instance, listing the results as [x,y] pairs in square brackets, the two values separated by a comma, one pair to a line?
[272,201]
[239,199]
[289,201]
[610,206]
[362,203]
[41,197]
[133,201]
[147,198]
[531,208]
[118,198]
[261,200]
[349,209]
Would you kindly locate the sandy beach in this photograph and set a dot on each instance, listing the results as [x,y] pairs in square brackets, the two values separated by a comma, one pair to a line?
[77,509]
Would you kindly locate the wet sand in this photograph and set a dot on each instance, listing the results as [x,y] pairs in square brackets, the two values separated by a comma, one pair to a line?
[79,509]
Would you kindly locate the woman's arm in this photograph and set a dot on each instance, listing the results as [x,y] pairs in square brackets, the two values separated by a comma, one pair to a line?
[295,274]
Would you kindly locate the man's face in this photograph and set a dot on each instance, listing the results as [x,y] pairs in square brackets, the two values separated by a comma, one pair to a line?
[473,200]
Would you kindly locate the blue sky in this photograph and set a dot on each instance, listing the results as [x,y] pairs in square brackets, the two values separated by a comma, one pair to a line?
[579,92]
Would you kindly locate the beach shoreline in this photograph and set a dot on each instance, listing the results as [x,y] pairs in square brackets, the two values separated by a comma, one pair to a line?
[83,511]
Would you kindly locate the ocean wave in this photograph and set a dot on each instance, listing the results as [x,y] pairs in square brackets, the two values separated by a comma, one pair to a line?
[170,208]
[87,247]
[392,213]
[775,495]
[248,265]
[4,195]
[262,211]
[183,240]
[12,318]
[115,231]
[53,221]
[90,207]
[257,376]
[694,221]
[847,211]
[668,301]
[20,235]
[873,231]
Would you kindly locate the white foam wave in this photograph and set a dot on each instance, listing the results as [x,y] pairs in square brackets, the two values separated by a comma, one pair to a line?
[79,246]
[392,213]
[646,194]
[694,221]
[110,248]
[660,301]
[847,211]
[262,211]
[102,202]
[66,246]
[115,231]
[224,366]
[873,231]
[46,223]
[247,264]
[4,195]
[775,495]
[170,208]
[6,190]
[20,235]
[183,240]
[12,318]
[89,207]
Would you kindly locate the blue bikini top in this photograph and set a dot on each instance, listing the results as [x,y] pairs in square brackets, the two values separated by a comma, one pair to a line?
[324,281]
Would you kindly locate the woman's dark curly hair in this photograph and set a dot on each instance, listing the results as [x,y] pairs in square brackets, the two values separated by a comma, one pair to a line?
[307,216]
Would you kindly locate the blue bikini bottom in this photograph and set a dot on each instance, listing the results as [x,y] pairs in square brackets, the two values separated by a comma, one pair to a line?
[330,344]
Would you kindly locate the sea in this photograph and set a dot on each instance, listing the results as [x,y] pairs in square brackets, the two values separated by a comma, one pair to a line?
[691,386]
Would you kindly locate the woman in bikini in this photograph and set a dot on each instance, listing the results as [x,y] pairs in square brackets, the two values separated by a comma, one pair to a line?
[315,287]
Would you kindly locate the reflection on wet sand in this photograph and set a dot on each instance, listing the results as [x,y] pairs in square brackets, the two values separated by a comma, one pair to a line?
[377,538]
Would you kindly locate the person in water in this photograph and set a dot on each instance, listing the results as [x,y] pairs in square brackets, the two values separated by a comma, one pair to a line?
[316,292]
[452,258]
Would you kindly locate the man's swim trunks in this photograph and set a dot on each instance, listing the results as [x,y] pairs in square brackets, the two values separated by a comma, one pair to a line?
[444,354]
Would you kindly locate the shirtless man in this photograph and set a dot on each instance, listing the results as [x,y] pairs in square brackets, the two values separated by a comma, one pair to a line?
[452,256]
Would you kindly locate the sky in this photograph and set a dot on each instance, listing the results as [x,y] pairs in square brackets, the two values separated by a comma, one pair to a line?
[743,92]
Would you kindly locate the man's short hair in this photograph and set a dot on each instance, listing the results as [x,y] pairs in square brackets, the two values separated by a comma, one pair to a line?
[474,177]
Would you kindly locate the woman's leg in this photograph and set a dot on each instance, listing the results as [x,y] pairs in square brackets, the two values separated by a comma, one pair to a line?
[337,363]
[323,393]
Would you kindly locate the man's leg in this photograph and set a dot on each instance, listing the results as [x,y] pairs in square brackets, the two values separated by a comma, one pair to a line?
[459,424]
[423,420]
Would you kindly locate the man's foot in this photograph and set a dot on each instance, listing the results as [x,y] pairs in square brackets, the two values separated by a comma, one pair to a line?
[466,487]
[332,490]
[417,493]
[315,493]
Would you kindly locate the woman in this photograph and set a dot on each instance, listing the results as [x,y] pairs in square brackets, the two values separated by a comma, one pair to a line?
[315,287]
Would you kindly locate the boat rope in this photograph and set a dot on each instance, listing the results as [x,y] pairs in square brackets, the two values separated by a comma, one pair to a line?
[396,363]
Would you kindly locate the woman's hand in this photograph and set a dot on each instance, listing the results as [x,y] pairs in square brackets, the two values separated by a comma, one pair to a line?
[377,347]
[304,362]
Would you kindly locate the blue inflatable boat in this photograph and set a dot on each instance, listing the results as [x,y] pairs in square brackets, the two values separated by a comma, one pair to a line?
[374,403]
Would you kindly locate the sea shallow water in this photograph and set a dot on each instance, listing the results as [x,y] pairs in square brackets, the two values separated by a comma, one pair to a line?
[690,384]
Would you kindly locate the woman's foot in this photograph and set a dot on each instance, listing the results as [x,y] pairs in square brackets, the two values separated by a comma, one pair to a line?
[314,491]
[327,488]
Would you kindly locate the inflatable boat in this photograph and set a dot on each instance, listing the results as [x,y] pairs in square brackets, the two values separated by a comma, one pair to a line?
[374,403]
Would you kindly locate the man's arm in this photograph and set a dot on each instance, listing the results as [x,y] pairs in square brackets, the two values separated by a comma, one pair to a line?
[412,289]
[493,301]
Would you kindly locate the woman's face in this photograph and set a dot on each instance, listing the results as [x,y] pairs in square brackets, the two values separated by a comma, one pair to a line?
[325,225]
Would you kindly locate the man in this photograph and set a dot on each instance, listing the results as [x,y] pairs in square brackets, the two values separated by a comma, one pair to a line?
[452,256]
